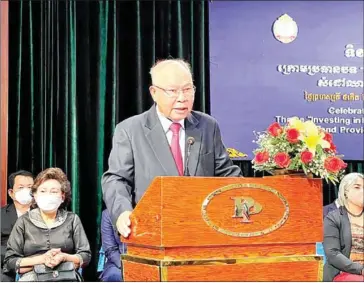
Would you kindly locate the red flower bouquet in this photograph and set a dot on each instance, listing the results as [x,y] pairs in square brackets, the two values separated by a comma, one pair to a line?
[298,145]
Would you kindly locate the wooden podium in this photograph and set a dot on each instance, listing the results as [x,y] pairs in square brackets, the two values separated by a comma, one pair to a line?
[226,229]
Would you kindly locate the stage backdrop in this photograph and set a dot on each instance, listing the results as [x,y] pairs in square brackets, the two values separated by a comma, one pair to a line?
[256,79]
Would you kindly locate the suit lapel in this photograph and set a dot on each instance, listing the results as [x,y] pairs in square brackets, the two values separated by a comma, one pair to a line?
[159,143]
[11,213]
[193,131]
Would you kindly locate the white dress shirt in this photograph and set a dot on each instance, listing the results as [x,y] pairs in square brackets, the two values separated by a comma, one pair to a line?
[19,213]
[166,124]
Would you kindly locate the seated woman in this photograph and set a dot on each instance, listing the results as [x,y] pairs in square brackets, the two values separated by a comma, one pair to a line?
[344,233]
[48,234]
[113,248]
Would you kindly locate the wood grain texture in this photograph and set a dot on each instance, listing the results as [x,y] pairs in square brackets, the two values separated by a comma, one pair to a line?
[283,271]
[167,224]
[4,82]
[146,221]
[171,207]
[192,253]
[138,272]
[239,251]
[146,252]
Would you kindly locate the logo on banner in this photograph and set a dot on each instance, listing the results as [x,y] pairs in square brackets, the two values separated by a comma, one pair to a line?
[285,29]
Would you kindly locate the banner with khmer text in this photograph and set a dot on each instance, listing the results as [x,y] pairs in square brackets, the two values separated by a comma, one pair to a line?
[270,60]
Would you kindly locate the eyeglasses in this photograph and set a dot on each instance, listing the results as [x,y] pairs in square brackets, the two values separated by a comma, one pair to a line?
[188,91]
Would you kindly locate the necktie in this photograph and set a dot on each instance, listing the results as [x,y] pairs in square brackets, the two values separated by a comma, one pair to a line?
[175,148]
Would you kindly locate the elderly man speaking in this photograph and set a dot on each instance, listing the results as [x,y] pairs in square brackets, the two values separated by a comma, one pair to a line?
[167,140]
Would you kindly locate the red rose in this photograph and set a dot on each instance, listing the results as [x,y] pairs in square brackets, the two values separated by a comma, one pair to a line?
[334,164]
[328,137]
[261,157]
[292,135]
[306,156]
[275,129]
[332,148]
[282,159]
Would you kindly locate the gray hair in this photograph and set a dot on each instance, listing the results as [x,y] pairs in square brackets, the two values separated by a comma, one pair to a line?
[345,185]
[159,65]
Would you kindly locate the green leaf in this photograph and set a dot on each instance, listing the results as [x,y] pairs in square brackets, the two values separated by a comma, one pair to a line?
[274,142]
[333,179]
[304,169]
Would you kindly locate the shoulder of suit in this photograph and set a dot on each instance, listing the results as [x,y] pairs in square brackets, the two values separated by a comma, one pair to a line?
[7,208]
[330,206]
[3,211]
[203,117]
[131,122]
[336,215]
[22,220]
[137,120]
[4,208]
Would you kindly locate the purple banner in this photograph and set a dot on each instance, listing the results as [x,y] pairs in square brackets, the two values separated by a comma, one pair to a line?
[256,79]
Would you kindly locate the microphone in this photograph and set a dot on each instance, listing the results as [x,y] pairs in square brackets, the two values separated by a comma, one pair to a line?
[190,142]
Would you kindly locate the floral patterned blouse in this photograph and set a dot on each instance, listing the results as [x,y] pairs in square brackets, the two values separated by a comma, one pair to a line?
[357,248]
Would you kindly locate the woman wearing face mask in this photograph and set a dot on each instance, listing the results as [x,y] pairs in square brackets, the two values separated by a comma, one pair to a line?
[344,233]
[48,234]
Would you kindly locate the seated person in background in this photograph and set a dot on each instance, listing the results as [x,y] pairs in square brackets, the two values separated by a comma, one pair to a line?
[20,185]
[332,206]
[344,233]
[113,248]
[48,234]
[335,204]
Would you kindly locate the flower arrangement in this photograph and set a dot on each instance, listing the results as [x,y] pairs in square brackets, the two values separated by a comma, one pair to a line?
[298,145]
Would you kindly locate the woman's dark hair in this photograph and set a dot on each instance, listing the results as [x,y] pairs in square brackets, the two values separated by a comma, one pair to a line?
[58,175]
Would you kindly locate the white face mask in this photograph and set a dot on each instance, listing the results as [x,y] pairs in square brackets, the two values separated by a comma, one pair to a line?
[23,196]
[356,196]
[48,202]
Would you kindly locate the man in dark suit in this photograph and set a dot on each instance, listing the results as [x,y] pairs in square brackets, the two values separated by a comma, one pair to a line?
[20,184]
[113,249]
[167,140]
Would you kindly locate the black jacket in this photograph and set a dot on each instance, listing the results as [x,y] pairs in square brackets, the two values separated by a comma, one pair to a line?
[330,207]
[31,236]
[8,219]
[337,245]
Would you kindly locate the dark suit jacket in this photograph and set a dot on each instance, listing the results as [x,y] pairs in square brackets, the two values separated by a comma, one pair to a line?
[328,208]
[337,245]
[111,244]
[140,152]
[8,219]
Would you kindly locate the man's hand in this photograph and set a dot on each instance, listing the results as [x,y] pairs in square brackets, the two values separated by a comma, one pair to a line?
[123,224]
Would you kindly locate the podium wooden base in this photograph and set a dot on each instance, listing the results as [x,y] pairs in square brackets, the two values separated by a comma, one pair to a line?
[279,268]
[226,229]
